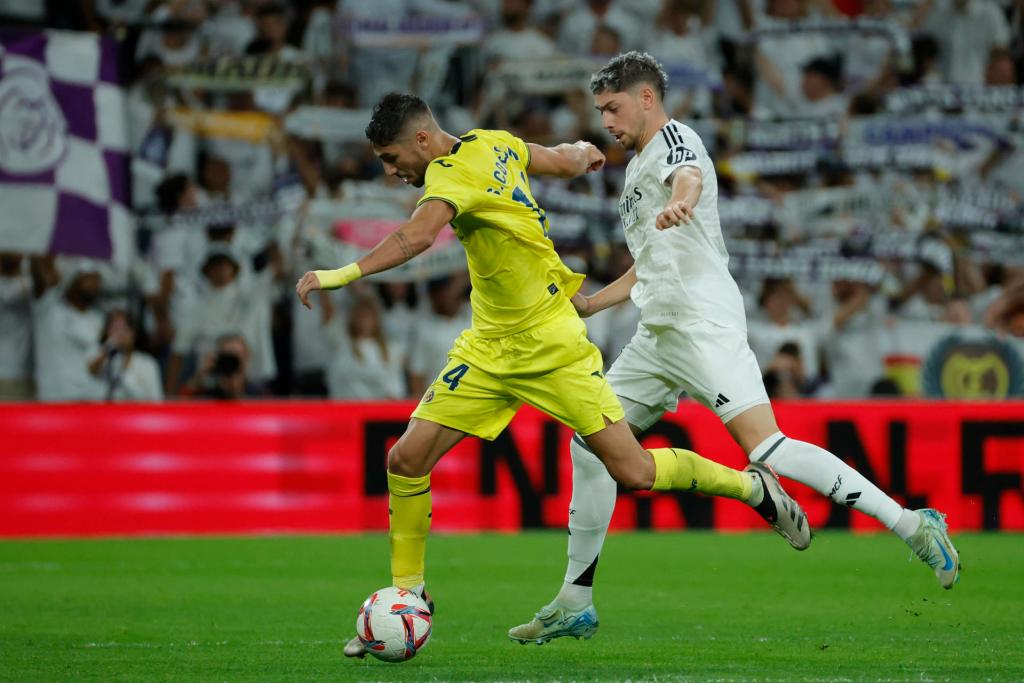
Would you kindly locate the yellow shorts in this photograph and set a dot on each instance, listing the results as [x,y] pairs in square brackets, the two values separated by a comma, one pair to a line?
[553,367]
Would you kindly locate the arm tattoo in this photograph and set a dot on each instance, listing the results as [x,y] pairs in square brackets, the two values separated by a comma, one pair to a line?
[403,244]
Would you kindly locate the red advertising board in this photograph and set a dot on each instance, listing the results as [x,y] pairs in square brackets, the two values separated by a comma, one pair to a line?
[319,467]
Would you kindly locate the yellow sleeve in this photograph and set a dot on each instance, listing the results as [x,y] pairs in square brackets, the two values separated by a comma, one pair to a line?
[518,145]
[448,181]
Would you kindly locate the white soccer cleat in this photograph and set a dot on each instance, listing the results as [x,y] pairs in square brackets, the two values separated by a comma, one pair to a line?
[555,621]
[932,544]
[780,510]
[355,648]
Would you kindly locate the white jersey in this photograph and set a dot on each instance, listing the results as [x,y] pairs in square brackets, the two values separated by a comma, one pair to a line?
[682,272]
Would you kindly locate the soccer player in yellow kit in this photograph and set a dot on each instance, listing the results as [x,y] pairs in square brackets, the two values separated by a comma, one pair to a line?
[527,343]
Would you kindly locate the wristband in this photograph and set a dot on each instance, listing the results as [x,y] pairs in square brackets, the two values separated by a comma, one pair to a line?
[333,279]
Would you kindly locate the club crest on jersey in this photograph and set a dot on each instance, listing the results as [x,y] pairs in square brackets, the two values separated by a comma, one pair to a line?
[429,396]
[679,155]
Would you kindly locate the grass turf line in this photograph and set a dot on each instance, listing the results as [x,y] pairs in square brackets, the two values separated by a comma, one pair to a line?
[675,606]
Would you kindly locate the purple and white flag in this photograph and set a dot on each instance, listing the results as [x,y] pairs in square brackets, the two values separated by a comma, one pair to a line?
[63,144]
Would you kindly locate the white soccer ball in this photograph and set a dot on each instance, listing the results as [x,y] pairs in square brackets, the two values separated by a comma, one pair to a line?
[393,624]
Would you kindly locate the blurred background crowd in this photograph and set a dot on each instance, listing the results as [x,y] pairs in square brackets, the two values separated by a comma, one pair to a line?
[869,155]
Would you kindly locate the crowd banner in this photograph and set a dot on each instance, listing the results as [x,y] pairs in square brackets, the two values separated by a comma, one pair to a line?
[259,210]
[689,76]
[891,131]
[949,97]
[547,76]
[412,32]
[69,470]
[251,126]
[240,73]
[891,30]
[813,269]
[813,133]
[64,161]
[328,123]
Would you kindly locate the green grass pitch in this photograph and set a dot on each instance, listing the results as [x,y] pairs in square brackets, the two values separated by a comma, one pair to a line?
[673,607]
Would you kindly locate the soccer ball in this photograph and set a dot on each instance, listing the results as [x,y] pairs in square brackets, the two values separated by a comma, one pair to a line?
[393,624]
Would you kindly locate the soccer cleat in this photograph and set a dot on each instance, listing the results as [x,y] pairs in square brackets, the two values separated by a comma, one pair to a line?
[780,510]
[931,543]
[555,621]
[355,647]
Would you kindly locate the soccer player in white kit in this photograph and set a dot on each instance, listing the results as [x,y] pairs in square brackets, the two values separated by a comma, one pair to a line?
[692,338]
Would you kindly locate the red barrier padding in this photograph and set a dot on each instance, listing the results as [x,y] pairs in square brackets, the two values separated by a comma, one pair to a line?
[316,467]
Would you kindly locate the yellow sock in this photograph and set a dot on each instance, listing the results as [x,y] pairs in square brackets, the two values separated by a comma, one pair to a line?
[409,511]
[677,468]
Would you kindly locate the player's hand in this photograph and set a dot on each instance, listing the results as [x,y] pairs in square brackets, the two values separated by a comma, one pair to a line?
[581,303]
[593,156]
[674,214]
[306,284]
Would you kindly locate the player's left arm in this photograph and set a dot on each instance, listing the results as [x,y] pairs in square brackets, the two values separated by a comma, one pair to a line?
[413,238]
[687,185]
[565,160]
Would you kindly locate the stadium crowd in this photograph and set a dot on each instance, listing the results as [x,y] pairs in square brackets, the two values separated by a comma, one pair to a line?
[869,153]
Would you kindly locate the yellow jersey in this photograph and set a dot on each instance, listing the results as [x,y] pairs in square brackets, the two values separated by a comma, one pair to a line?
[518,280]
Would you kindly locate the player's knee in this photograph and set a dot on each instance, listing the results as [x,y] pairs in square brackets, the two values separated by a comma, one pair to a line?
[402,461]
[633,479]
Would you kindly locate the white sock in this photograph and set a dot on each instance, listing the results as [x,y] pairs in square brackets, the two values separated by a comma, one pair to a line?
[829,476]
[590,512]
[575,597]
[907,525]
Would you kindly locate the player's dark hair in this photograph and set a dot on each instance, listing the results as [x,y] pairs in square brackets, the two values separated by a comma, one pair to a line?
[390,116]
[627,70]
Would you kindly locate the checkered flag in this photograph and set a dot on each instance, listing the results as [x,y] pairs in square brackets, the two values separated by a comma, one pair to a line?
[64,162]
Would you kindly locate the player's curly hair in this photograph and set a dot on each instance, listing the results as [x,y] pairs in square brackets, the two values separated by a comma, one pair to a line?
[627,70]
[390,116]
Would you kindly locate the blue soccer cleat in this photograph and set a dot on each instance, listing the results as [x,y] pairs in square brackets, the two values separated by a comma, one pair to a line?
[555,621]
[931,543]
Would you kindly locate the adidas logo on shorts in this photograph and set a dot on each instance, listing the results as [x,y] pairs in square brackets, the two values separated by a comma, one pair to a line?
[722,400]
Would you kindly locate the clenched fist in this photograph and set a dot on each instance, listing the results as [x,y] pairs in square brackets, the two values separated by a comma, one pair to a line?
[594,156]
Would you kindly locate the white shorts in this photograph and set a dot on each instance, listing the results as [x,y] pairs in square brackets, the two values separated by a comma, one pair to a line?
[711,363]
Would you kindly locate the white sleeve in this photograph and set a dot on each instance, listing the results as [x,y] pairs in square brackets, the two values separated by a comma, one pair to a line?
[684,149]
[1000,27]
[154,390]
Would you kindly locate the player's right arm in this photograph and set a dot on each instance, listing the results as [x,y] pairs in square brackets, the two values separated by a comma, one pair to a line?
[565,160]
[613,294]
[413,238]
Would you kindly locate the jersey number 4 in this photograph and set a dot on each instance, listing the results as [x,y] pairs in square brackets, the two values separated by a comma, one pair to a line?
[452,377]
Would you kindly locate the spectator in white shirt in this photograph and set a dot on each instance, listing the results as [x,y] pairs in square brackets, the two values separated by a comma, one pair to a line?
[129,374]
[66,328]
[516,40]
[967,31]
[400,313]
[176,41]
[15,330]
[361,363]
[779,58]
[437,331]
[577,31]
[779,323]
[230,300]
[679,44]
[222,373]
[852,341]
[821,90]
